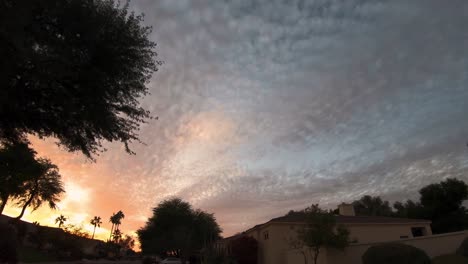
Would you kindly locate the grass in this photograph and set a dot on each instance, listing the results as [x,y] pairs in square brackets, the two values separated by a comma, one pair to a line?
[450,259]
[27,254]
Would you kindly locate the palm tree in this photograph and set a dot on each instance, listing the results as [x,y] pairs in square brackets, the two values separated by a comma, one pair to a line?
[113,220]
[116,236]
[119,216]
[60,220]
[45,187]
[96,221]
[116,219]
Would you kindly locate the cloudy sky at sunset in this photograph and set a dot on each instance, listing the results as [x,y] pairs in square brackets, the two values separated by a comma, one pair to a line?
[267,106]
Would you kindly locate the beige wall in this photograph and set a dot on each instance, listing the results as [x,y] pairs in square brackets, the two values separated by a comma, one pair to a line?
[370,233]
[277,249]
[434,245]
[274,250]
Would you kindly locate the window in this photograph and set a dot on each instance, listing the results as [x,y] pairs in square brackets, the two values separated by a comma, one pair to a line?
[265,235]
[418,231]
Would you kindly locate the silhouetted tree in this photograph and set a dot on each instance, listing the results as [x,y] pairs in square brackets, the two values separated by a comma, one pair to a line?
[441,203]
[116,220]
[116,236]
[372,206]
[409,209]
[321,232]
[176,227]
[73,70]
[96,221]
[127,243]
[244,249]
[17,165]
[60,220]
[113,221]
[47,186]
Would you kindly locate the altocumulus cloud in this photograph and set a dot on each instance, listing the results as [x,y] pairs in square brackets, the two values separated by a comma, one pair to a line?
[266,106]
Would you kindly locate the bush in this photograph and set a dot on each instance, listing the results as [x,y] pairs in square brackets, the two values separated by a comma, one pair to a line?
[463,249]
[244,249]
[393,253]
[8,244]
[450,259]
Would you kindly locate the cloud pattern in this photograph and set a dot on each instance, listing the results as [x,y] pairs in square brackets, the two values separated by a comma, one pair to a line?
[266,106]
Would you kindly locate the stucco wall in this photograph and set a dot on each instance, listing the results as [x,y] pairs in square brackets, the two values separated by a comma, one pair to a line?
[276,249]
[434,245]
[272,250]
[371,233]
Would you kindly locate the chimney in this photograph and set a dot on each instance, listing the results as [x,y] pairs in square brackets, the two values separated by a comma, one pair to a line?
[346,209]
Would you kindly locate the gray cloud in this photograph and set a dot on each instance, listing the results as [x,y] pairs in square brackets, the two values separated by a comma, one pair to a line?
[266,106]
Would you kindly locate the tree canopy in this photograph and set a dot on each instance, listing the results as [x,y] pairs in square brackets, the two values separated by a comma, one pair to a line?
[177,228]
[372,206]
[321,231]
[17,165]
[43,187]
[441,203]
[73,70]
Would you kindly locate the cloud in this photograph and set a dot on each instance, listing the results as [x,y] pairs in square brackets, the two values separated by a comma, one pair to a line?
[267,106]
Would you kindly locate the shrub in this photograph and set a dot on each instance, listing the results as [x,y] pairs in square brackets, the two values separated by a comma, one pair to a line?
[450,259]
[394,253]
[244,249]
[463,249]
[8,244]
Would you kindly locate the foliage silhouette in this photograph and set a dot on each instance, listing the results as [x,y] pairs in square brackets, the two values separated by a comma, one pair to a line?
[60,220]
[372,206]
[395,254]
[73,70]
[115,219]
[244,249]
[96,221]
[177,228]
[441,203]
[45,187]
[17,165]
[321,231]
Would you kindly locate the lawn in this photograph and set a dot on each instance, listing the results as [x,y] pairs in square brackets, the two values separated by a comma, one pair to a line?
[450,259]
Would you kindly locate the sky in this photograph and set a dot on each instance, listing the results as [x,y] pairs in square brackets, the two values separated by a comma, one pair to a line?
[266,106]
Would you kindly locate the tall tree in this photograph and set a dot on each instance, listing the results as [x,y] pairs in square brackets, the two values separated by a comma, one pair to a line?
[60,220]
[96,221]
[45,187]
[73,70]
[372,206]
[176,227]
[116,220]
[321,232]
[17,165]
[113,221]
[441,203]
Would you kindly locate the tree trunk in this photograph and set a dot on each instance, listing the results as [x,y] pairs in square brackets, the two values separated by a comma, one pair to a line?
[4,202]
[25,206]
[316,254]
[94,231]
[305,256]
[112,230]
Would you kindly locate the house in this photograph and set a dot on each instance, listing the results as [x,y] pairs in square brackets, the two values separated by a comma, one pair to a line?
[274,237]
